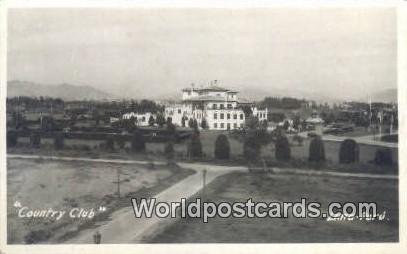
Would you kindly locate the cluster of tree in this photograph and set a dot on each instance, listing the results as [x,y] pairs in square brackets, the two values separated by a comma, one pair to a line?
[35,102]
[282,103]
[145,106]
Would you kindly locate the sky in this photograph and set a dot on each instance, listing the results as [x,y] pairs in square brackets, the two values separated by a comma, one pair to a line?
[143,52]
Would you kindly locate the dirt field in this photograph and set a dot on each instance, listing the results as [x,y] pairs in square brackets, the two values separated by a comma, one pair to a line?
[43,184]
[241,186]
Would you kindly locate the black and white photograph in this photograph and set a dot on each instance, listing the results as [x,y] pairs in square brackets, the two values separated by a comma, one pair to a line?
[201,126]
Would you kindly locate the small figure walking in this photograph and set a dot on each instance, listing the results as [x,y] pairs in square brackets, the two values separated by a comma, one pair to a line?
[97,237]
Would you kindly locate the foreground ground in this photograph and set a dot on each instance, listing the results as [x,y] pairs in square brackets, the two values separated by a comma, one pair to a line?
[265,187]
[64,185]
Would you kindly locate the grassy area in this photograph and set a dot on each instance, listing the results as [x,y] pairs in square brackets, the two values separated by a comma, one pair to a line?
[64,185]
[268,188]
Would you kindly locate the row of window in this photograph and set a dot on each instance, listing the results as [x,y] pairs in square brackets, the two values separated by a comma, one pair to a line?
[228,115]
[222,106]
[222,126]
[261,115]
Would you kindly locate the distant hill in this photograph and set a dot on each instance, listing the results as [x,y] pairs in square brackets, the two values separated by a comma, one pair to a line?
[387,95]
[63,91]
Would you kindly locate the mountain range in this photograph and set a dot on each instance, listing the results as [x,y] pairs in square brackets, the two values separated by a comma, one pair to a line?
[79,92]
[63,91]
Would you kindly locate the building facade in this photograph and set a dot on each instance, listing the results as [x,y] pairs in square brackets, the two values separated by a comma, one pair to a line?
[217,106]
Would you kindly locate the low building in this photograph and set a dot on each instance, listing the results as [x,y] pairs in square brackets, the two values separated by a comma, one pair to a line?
[141,119]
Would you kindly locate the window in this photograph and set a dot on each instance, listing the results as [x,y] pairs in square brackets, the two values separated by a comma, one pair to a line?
[228,126]
[241,125]
[229,106]
[222,125]
[179,111]
[235,126]
[143,118]
[215,116]
[222,106]
[241,116]
[215,125]
[215,106]
[234,116]
[222,116]
[228,116]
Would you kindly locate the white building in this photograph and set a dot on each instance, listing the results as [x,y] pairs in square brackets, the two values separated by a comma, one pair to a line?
[141,119]
[219,107]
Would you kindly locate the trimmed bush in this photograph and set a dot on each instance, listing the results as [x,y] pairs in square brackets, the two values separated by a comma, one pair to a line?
[316,150]
[191,123]
[121,143]
[195,146]
[383,157]
[204,124]
[151,121]
[138,143]
[251,149]
[283,151]
[297,138]
[12,138]
[349,151]
[109,143]
[59,141]
[35,139]
[222,147]
[169,151]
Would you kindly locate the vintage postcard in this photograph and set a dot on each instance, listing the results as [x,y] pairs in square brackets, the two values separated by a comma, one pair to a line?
[146,128]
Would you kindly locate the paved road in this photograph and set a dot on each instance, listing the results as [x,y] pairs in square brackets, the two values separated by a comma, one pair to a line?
[123,227]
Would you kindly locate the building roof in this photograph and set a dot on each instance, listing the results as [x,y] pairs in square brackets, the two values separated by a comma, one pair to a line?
[206,98]
[214,88]
[210,88]
[245,101]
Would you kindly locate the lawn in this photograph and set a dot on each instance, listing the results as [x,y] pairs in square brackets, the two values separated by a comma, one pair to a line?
[262,187]
[63,185]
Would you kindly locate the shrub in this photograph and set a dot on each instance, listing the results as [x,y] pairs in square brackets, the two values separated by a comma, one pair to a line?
[195,146]
[191,123]
[36,236]
[204,124]
[169,151]
[222,147]
[59,141]
[151,121]
[121,143]
[35,139]
[138,143]
[171,130]
[297,138]
[109,143]
[383,156]
[251,149]
[349,151]
[12,138]
[316,150]
[283,151]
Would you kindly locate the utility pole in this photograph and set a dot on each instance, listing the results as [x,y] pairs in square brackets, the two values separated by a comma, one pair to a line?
[118,182]
[203,180]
